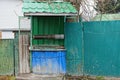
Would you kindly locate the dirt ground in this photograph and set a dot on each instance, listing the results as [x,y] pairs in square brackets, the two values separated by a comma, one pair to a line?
[7,78]
[91,78]
[67,78]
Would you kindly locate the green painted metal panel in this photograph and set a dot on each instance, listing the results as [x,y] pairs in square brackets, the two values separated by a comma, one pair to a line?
[43,25]
[102,48]
[16,50]
[45,7]
[73,45]
[6,57]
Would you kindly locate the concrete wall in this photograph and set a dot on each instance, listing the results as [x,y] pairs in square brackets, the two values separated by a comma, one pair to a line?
[10,10]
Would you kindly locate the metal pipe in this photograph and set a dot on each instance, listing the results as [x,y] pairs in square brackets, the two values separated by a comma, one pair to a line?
[56,36]
[48,49]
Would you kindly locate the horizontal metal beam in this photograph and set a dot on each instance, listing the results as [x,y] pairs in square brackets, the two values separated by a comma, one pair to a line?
[56,36]
[14,29]
[47,49]
[49,14]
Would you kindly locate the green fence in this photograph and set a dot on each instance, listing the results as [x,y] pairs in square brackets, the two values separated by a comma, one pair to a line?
[102,48]
[73,45]
[95,53]
[6,57]
[92,49]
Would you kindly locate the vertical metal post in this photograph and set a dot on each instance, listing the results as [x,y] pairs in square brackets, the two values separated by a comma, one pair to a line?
[64,19]
[18,40]
[31,32]
[82,47]
[19,25]
[78,18]
[31,41]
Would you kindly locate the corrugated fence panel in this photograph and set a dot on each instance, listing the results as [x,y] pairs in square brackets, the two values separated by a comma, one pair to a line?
[73,45]
[6,57]
[102,48]
[47,26]
[16,48]
[48,62]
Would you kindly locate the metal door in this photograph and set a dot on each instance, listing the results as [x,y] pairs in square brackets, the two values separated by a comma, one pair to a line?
[73,45]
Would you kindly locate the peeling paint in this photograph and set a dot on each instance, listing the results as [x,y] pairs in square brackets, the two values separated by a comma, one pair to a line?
[49,63]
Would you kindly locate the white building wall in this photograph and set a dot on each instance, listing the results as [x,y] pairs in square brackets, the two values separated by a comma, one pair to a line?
[10,10]
[7,35]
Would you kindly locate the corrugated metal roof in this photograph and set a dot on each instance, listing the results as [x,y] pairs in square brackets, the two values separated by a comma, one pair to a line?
[53,8]
[43,0]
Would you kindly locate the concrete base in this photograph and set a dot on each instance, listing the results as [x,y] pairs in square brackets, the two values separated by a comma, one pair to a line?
[91,78]
[32,76]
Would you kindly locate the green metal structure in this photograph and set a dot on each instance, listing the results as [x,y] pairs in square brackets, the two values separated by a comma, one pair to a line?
[48,19]
[54,7]
[47,25]
[102,48]
[7,66]
[49,9]
[73,45]
[43,0]
[92,47]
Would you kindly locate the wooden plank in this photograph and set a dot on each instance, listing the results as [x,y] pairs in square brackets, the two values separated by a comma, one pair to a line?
[20,53]
[24,56]
[26,51]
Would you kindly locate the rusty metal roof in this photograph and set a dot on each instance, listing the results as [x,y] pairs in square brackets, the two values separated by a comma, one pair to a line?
[45,8]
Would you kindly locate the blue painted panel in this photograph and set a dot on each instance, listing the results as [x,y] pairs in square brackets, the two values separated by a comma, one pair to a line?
[102,48]
[49,62]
